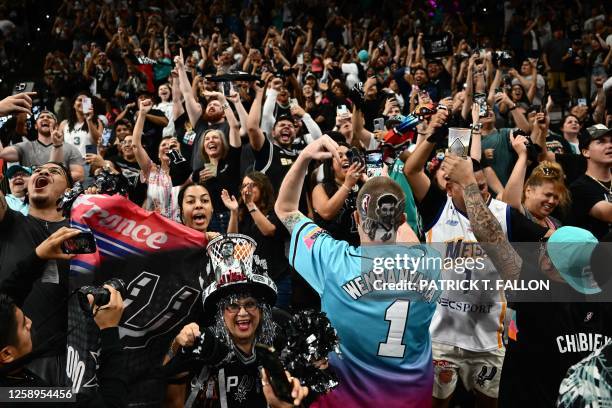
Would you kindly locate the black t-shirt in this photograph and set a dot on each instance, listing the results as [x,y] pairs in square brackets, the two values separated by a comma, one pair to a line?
[269,248]
[46,304]
[228,177]
[343,226]
[552,336]
[574,166]
[274,161]
[137,192]
[586,193]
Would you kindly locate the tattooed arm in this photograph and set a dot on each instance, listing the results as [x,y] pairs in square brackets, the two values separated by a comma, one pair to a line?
[288,200]
[485,226]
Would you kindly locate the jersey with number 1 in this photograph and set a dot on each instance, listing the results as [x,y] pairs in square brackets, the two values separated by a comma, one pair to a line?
[384,334]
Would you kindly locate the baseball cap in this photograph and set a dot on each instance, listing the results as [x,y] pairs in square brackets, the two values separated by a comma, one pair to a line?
[363,56]
[282,117]
[592,133]
[317,66]
[570,250]
[11,171]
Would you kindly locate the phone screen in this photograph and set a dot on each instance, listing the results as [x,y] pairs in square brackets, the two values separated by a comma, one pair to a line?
[379,124]
[91,149]
[23,87]
[86,105]
[84,243]
[374,164]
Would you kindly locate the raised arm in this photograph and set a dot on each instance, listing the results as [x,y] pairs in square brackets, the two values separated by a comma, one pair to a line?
[360,133]
[485,226]
[256,136]
[194,109]
[242,113]
[288,200]
[177,97]
[143,159]
[513,193]
[328,207]
[414,168]
[476,136]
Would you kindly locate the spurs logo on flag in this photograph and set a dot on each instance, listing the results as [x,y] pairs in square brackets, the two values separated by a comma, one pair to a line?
[160,262]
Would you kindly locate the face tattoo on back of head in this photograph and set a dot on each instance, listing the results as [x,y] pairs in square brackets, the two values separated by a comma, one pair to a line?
[381,222]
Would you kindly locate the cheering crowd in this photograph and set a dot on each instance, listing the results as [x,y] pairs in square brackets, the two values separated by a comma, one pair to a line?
[286,143]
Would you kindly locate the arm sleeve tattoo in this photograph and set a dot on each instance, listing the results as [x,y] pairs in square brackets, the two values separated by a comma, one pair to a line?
[490,235]
[292,220]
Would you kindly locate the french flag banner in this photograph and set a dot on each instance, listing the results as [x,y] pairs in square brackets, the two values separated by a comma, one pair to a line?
[160,262]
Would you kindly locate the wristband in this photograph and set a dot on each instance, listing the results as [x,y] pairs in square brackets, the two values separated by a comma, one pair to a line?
[513,108]
[252,210]
[225,105]
[345,187]
[476,127]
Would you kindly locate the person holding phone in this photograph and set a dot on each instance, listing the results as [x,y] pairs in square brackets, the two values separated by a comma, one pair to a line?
[162,196]
[82,128]
[19,234]
[334,199]
[16,340]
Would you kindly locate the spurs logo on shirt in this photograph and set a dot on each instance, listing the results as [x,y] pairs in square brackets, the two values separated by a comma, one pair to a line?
[471,320]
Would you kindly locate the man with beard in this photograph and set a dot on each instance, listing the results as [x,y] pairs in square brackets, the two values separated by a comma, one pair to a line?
[211,117]
[39,151]
[19,235]
[271,158]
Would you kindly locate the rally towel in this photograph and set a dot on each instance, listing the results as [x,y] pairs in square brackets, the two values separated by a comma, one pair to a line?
[160,262]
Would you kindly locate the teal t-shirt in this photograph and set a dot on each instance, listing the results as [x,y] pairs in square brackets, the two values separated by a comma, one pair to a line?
[497,149]
[396,172]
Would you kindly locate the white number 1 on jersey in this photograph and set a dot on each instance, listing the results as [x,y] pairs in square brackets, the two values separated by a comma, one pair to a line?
[397,315]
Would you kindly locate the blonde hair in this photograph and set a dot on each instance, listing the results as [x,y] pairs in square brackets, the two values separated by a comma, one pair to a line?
[223,143]
[550,172]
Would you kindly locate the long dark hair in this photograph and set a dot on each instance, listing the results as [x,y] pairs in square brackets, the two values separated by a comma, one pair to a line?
[181,196]
[266,192]
[72,116]
[329,176]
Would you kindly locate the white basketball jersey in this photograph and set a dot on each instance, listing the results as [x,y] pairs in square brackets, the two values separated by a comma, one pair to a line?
[469,319]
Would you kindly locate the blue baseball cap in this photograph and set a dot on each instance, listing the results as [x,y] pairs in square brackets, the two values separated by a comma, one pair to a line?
[570,249]
[363,56]
[11,171]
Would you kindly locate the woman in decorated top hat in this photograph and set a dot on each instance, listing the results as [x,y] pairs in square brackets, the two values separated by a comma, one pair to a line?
[237,315]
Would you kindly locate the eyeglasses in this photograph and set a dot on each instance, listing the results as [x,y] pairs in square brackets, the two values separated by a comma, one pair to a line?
[124,143]
[53,170]
[249,306]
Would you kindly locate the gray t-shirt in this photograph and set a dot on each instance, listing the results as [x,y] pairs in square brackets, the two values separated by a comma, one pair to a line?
[35,153]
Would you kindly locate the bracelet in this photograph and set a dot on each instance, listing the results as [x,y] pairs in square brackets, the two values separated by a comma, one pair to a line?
[225,106]
[58,146]
[513,108]
[252,210]
[345,187]
[476,127]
